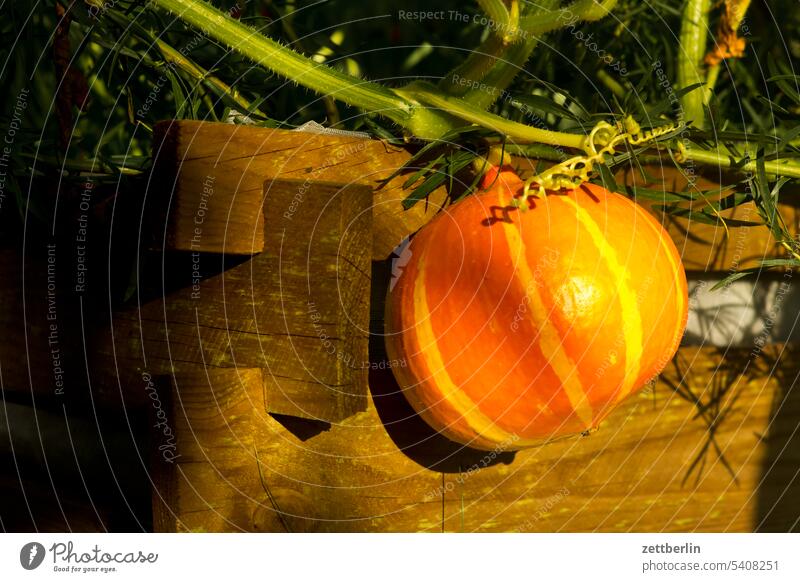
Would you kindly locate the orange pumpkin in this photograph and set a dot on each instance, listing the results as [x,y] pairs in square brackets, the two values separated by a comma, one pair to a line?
[516,326]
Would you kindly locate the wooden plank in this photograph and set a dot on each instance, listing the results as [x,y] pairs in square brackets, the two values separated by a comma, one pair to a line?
[216,221]
[695,453]
[322,276]
[299,310]
[242,158]
[246,156]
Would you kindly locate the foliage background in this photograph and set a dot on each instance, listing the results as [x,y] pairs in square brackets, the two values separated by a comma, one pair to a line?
[102,76]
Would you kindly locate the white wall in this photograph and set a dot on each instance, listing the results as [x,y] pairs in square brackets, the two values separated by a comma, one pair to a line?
[754,310]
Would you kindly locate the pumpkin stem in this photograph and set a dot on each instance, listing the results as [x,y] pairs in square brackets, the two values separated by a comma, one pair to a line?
[693,38]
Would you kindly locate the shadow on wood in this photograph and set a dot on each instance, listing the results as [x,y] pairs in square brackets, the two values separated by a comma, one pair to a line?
[418,441]
[167,273]
[778,507]
[302,428]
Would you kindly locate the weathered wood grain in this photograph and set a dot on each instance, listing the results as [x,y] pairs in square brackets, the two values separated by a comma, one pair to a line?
[299,310]
[692,454]
[233,226]
[242,158]
[323,257]
[212,215]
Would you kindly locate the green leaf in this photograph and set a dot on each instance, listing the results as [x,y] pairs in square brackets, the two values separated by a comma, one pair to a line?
[429,185]
[780,263]
[448,140]
[735,277]
[452,164]
[704,216]
[667,104]
[662,195]
[731,201]
[607,177]
[414,178]
[543,105]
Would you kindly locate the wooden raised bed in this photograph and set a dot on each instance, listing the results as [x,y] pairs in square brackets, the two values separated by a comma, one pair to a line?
[282,414]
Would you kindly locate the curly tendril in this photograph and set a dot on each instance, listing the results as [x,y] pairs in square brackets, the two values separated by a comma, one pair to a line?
[602,140]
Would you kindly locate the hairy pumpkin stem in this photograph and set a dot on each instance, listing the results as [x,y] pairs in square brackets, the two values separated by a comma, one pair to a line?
[498,14]
[579,10]
[420,108]
[491,69]
[487,71]
[494,84]
[426,94]
[284,61]
[475,67]
[543,18]
[692,50]
[372,97]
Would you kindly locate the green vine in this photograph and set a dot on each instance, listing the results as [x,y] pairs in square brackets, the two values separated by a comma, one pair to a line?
[510,95]
[428,112]
[284,61]
[427,95]
[403,106]
[692,50]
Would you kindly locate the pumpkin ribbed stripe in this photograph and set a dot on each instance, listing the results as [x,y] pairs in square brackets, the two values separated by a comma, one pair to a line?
[420,387]
[631,317]
[549,339]
[505,372]
[489,351]
[437,368]
[434,395]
